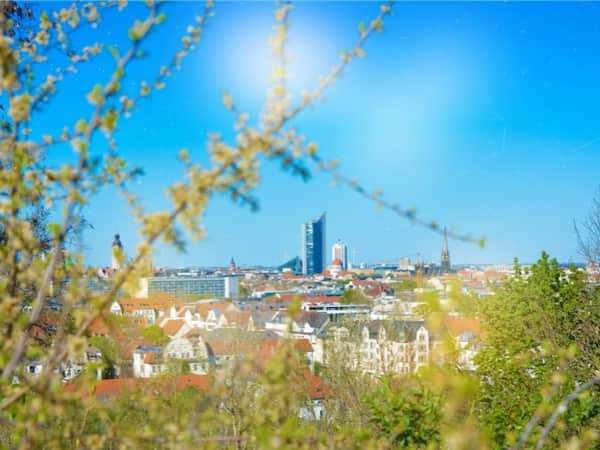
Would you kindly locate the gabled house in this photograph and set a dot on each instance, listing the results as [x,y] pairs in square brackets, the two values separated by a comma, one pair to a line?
[310,325]
[191,348]
[205,315]
[148,362]
[72,367]
[152,308]
[175,328]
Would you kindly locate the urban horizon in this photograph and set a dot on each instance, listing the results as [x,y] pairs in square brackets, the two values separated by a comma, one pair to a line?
[356,263]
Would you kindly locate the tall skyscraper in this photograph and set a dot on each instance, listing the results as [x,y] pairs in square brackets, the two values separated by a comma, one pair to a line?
[313,246]
[339,251]
[446,266]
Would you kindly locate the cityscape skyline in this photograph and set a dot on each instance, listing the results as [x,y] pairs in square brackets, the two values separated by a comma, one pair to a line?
[339,250]
[312,258]
[454,143]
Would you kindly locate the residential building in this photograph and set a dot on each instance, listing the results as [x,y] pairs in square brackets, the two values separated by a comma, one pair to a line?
[335,310]
[209,315]
[151,309]
[148,362]
[190,350]
[310,325]
[383,346]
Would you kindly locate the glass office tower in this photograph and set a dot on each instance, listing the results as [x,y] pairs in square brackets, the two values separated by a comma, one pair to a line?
[313,246]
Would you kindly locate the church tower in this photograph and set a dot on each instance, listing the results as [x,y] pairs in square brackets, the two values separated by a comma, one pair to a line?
[117,253]
[446,266]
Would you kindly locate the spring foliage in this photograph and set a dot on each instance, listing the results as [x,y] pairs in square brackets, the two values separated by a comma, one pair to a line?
[255,407]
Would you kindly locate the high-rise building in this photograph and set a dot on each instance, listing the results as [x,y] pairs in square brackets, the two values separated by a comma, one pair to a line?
[313,246]
[117,253]
[340,251]
[446,266]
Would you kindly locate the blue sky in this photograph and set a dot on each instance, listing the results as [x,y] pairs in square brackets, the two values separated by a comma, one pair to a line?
[485,116]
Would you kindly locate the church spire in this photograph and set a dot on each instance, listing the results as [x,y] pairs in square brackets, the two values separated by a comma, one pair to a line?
[446,266]
[117,253]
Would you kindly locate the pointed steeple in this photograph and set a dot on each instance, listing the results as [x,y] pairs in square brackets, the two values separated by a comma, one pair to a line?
[446,266]
[117,253]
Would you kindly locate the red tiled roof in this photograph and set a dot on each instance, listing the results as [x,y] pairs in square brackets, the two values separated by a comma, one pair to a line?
[237,317]
[200,382]
[230,348]
[119,386]
[268,347]
[112,388]
[204,308]
[290,276]
[316,387]
[458,325]
[99,327]
[150,358]
[172,327]
[303,345]
[160,302]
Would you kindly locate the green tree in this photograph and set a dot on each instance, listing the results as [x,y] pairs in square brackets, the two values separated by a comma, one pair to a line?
[462,302]
[404,285]
[406,413]
[354,297]
[110,354]
[542,334]
[154,334]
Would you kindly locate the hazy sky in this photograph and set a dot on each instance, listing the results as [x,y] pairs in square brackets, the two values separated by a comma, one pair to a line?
[485,116]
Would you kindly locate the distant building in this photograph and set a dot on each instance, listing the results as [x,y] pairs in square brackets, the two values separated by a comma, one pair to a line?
[294,265]
[335,310]
[336,268]
[384,346]
[446,266]
[405,265]
[313,246]
[117,253]
[226,286]
[340,251]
